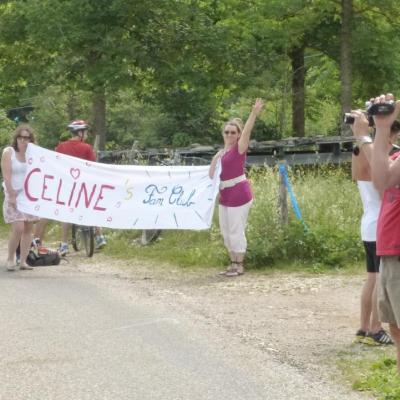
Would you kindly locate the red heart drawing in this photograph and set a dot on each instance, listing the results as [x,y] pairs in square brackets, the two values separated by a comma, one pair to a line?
[75,172]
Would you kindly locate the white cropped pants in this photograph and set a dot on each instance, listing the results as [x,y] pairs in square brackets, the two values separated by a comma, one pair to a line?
[232,223]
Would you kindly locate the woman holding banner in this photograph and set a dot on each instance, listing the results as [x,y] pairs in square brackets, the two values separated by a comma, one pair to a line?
[236,196]
[13,167]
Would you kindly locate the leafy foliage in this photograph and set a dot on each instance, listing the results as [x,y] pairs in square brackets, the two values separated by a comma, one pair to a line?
[193,63]
[330,205]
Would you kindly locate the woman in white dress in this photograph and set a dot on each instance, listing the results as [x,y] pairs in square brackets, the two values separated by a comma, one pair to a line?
[13,167]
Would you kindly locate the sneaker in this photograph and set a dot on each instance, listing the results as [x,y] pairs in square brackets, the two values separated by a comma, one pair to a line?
[100,242]
[379,338]
[63,249]
[360,336]
[36,243]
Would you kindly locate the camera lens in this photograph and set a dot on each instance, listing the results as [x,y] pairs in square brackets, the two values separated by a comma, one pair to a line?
[348,119]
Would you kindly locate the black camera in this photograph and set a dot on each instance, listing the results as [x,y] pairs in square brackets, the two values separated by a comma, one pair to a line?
[371,110]
[349,119]
[385,108]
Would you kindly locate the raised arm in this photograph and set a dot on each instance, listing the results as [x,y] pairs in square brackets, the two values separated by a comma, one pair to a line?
[360,129]
[248,127]
[385,173]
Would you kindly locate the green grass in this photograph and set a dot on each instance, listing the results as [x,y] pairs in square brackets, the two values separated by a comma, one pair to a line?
[331,209]
[372,370]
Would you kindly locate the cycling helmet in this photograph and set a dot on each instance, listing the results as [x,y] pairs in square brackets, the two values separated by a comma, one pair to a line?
[78,125]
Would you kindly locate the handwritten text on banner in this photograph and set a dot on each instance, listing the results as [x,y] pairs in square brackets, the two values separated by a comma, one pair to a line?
[69,189]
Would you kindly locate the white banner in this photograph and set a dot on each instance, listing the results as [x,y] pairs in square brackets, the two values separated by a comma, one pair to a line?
[82,192]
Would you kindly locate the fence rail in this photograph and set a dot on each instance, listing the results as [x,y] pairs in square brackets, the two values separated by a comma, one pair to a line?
[295,151]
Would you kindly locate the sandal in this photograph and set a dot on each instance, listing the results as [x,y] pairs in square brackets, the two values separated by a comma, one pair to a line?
[10,266]
[25,267]
[240,268]
[232,270]
[228,269]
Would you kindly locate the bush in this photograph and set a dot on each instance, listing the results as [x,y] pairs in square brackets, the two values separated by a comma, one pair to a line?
[329,234]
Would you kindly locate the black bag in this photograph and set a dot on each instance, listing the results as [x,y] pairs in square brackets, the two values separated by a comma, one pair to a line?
[43,258]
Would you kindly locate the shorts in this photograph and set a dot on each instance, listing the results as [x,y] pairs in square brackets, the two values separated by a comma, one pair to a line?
[389,290]
[370,257]
[12,214]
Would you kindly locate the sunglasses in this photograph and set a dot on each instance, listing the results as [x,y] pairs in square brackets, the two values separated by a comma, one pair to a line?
[24,138]
[230,133]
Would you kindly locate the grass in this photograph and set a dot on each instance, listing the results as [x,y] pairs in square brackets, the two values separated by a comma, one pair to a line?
[372,370]
[331,209]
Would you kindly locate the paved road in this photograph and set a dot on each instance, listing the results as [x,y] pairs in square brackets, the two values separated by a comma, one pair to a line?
[72,334]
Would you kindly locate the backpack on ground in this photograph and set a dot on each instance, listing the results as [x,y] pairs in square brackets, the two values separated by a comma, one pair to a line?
[42,257]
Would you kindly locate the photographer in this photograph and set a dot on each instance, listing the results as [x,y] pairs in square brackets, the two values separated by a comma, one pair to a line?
[385,171]
[370,331]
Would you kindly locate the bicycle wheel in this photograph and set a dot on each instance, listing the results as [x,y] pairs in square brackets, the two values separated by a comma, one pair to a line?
[88,239]
[76,238]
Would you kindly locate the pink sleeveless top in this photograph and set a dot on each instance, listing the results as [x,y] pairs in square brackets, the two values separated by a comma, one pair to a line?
[233,163]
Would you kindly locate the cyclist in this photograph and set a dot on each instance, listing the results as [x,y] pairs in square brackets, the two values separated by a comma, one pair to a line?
[76,147]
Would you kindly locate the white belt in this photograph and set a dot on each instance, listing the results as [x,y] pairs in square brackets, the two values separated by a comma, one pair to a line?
[231,182]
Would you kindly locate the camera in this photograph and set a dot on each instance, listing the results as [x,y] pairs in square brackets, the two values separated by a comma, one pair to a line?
[349,119]
[385,108]
[372,109]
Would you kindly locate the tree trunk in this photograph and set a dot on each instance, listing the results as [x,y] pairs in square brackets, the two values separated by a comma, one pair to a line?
[71,109]
[345,61]
[99,118]
[298,90]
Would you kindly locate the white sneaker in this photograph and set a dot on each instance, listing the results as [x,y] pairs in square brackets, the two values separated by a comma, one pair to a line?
[100,242]
[63,249]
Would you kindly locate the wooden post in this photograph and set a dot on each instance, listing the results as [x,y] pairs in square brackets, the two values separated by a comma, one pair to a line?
[282,200]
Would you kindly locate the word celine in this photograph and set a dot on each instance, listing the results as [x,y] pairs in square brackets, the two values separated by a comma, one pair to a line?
[176,196]
[81,192]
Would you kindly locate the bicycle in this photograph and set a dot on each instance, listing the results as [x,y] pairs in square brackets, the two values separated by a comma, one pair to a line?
[83,237]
